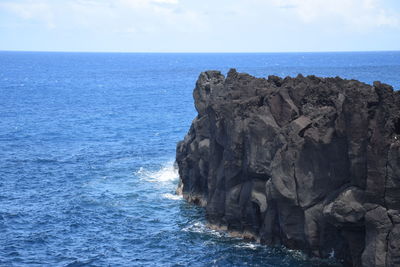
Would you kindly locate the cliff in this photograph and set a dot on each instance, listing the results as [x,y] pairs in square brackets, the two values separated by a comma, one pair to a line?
[310,163]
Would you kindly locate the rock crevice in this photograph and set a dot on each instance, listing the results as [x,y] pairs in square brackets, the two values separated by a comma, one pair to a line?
[306,162]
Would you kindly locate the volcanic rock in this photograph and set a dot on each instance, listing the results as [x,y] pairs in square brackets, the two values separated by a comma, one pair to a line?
[309,163]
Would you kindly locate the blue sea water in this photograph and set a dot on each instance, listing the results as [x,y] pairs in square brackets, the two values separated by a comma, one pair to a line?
[87,144]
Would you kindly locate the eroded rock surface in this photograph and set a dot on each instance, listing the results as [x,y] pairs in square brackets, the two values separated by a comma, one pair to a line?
[310,163]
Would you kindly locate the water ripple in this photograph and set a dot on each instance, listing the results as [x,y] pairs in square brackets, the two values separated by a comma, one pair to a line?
[87,148]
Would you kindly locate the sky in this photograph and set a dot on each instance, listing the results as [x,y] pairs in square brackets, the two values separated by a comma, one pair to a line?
[200,25]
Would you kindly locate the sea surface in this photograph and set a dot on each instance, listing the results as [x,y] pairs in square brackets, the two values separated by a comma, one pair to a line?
[87,146]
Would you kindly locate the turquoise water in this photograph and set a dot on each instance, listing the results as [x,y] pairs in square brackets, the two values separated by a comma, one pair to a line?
[87,144]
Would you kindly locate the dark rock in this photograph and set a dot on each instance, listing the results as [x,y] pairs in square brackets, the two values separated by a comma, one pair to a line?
[347,208]
[307,162]
[378,226]
[393,257]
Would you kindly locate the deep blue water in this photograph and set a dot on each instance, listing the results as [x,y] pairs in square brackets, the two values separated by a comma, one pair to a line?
[87,144]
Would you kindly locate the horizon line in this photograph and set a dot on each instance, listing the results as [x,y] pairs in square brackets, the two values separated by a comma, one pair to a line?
[197,52]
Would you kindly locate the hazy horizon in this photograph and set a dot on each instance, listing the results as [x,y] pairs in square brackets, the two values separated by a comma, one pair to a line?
[199,52]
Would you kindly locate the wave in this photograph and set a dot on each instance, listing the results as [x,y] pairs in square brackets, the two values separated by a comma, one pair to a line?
[201,228]
[248,245]
[167,173]
[172,197]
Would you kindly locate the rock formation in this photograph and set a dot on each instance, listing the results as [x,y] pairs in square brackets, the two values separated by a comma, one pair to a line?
[309,163]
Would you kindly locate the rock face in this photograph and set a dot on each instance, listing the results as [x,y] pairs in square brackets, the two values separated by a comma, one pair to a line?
[310,163]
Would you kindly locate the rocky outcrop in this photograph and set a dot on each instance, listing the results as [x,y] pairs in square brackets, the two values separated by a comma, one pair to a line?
[310,163]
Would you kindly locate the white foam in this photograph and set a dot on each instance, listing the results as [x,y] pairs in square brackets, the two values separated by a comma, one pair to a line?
[297,254]
[247,245]
[196,227]
[172,197]
[201,228]
[167,173]
[332,254]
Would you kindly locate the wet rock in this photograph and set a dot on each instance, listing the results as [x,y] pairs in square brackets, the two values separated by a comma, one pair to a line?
[307,162]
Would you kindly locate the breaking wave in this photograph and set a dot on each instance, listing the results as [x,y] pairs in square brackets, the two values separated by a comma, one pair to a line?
[167,173]
[172,196]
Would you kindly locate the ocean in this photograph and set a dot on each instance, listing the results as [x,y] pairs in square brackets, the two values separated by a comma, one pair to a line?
[87,146]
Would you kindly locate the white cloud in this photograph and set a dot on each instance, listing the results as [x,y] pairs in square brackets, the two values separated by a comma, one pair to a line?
[31,10]
[173,2]
[124,16]
[181,25]
[355,14]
